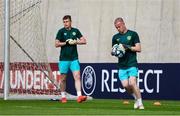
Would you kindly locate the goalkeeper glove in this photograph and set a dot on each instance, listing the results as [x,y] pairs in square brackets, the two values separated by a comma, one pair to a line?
[71,42]
[126,47]
[113,51]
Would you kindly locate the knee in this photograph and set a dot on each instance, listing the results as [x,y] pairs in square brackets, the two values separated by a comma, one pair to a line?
[126,86]
[132,84]
[77,76]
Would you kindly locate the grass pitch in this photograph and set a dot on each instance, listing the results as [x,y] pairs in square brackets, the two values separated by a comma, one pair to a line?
[91,107]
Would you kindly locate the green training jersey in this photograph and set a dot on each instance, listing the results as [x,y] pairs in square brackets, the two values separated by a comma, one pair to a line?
[130,57]
[68,52]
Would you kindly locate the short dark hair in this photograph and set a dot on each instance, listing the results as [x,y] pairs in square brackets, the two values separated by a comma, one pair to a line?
[67,17]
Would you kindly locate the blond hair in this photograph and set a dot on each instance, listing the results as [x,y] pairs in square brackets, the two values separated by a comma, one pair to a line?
[119,19]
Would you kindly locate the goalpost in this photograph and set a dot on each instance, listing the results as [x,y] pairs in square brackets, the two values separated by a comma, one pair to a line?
[6,49]
[26,71]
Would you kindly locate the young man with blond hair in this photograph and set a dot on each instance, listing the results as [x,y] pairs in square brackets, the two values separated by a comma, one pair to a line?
[128,71]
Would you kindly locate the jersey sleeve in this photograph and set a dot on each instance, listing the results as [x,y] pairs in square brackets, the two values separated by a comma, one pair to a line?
[79,35]
[136,38]
[59,35]
[114,41]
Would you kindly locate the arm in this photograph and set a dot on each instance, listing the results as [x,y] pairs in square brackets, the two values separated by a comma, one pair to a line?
[59,36]
[81,41]
[59,44]
[136,48]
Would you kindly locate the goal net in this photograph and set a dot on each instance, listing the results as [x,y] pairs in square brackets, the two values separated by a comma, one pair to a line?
[31,76]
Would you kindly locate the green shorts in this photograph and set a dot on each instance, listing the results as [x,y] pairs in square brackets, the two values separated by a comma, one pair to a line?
[124,74]
[64,66]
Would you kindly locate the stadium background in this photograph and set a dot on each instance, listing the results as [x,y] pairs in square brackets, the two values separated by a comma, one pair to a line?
[156,21]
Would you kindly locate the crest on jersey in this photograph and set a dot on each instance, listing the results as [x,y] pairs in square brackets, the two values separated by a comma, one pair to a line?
[73,33]
[88,80]
[128,38]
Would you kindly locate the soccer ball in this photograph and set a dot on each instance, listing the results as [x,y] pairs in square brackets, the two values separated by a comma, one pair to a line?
[118,50]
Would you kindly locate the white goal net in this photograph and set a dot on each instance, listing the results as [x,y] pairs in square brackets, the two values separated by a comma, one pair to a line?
[31,76]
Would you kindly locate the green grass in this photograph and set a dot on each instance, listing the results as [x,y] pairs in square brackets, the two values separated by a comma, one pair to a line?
[91,107]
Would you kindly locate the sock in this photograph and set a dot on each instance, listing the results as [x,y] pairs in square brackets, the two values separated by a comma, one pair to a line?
[139,101]
[79,93]
[134,96]
[63,94]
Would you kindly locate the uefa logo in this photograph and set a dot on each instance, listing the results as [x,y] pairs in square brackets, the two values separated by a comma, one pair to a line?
[88,80]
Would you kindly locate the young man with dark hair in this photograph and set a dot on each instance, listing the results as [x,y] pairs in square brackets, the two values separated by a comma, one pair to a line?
[68,38]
